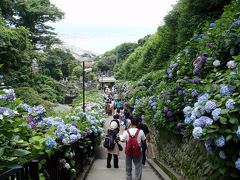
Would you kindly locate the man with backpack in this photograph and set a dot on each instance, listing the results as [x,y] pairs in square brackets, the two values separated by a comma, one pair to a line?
[133,137]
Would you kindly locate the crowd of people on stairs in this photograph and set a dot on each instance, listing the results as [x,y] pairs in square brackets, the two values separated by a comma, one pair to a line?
[135,135]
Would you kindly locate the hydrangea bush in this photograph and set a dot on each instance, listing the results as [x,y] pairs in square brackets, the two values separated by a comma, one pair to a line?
[26,132]
[199,92]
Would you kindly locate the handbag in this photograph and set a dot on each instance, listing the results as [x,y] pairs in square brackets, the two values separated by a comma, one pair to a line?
[120,147]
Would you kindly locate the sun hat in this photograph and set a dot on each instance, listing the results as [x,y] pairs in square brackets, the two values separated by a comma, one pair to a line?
[113,125]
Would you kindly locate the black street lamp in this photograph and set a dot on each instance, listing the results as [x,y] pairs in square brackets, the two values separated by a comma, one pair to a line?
[84,70]
[83,86]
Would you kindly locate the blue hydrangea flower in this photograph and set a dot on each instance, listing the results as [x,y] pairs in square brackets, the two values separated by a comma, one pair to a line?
[165,109]
[232,74]
[73,130]
[194,93]
[227,90]
[230,104]
[238,132]
[203,98]
[216,113]
[185,91]
[73,137]
[222,155]
[197,112]
[210,105]
[197,132]
[188,120]
[177,86]
[10,94]
[196,71]
[180,92]
[6,111]
[237,164]
[220,142]
[202,122]
[196,80]
[154,107]
[212,25]
[50,143]
[187,111]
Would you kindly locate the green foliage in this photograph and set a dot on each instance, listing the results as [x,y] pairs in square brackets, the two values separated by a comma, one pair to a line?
[31,97]
[208,64]
[33,15]
[77,71]
[115,56]
[15,49]
[58,63]
[48,88]
[180,24]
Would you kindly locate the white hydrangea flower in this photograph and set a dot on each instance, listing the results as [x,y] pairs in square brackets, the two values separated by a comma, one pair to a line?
[216,63]
[231,64]
[197,132]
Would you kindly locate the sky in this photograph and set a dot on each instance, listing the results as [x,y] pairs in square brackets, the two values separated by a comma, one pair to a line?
[100,25]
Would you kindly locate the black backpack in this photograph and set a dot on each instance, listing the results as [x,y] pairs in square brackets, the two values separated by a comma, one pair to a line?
[109,140]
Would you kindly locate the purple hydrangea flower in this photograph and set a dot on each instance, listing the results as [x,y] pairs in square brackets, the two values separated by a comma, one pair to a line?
[169,114]
[230,104]
[180,92]
[196,80]
[194,93]
[196,71]
[227,90]
[185,91]
[202,122]
[210,106]
[177,86]
[203,98]
[179,125]
[210,45]
[220,142]
[165,109]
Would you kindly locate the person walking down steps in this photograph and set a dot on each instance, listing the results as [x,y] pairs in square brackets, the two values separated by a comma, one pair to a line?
[133,138]
[111,143]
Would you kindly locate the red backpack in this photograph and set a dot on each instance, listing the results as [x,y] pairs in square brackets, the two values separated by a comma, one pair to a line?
[133,149]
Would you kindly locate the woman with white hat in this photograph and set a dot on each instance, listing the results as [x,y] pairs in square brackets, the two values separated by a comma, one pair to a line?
[114,131]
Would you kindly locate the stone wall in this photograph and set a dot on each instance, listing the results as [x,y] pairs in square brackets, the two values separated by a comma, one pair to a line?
[183,157]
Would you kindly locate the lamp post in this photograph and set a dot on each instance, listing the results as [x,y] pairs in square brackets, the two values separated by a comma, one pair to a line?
[84,73]
[83,86]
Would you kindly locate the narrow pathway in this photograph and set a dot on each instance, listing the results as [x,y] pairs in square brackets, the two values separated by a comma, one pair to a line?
[99,170]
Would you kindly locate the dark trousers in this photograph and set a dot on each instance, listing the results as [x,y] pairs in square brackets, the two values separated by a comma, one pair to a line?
[144,148]
[115,160]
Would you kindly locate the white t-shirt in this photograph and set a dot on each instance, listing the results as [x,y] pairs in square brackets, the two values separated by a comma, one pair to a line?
[125,137]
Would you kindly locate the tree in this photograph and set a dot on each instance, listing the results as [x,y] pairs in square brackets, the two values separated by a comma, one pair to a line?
[33,15]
